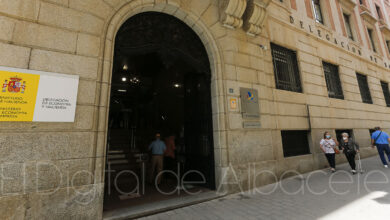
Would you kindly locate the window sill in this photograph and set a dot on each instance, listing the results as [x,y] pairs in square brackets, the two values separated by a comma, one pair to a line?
[377,56]
[323,26]
[385,30]
[350,4]
[367,16]
[382,22]
[364,8]
[297,156]
[282,5]
[355,43]
[338,98]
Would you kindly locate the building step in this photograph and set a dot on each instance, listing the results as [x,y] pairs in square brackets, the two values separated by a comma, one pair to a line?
[116,156]
[118,162]
[110,152]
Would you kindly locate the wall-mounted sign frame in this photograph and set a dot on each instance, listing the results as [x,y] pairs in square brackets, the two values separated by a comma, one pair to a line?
[249,103]
[29,95]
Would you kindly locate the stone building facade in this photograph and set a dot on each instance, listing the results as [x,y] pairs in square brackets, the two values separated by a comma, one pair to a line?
[240,36]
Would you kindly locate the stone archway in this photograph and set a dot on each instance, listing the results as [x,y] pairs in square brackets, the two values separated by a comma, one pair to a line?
[217,90]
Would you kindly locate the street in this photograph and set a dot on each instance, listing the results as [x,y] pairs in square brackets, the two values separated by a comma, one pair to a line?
[316,195]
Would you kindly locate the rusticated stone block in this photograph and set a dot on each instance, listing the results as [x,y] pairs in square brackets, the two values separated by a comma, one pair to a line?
[88,45]
[13,207]
[27,9]
[14,56]
[85,67]
[83,202]
[27,33]
[36,146]
[98,8]
[87,92]
[6,26]
[71,19]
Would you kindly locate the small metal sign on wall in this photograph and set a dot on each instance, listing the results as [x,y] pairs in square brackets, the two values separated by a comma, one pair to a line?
[249,103]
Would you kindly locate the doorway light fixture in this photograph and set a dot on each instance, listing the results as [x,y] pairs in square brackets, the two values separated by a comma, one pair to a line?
[134,80]
[122,90]
[176,85]
[124,79]
[125,67]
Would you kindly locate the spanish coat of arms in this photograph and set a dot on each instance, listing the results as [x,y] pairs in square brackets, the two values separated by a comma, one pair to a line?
[14,85]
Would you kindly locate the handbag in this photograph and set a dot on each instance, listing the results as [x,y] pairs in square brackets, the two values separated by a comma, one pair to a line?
[336,150]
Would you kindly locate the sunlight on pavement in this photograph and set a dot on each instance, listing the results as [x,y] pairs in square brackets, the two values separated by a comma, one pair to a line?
[369,206]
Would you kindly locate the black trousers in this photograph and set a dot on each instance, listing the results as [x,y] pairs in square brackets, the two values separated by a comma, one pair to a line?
[331,160]
[351,159]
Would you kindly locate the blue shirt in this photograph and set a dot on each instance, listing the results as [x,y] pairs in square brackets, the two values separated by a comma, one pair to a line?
[383,139]
[158,147]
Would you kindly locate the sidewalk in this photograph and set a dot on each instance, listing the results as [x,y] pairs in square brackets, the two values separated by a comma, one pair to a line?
[316,195]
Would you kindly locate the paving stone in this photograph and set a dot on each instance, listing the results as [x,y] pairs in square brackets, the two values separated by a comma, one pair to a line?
[359,203]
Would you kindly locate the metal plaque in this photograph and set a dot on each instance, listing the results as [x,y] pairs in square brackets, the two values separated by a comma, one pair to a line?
[249,103]
[251,124]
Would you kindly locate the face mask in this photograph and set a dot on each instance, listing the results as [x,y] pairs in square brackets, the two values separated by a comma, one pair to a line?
[345,138]
[328,136]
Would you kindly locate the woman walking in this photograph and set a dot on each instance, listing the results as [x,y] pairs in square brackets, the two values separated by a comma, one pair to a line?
[349,147]
[328,146]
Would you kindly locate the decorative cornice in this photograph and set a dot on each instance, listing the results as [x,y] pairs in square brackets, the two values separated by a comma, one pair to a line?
[350,4]
[231,12]
[385,30]
[368,17]
[364,8]
[255,16]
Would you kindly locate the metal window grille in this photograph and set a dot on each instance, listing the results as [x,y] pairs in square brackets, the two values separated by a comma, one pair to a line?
[317,11]
[364,89]
[286,69]
[333,82]
[386,92]
[295,143]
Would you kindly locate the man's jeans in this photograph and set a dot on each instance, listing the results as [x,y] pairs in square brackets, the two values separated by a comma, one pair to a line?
[382,149]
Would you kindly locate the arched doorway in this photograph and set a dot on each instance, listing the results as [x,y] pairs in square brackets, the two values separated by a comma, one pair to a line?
[160,84]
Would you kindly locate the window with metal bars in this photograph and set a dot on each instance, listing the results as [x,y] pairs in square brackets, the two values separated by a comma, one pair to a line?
[386,92]
[364,89]
[286,69]
[333,82]
[295,143]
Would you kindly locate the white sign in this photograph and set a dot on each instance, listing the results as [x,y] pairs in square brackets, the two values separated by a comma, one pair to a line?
[29,95]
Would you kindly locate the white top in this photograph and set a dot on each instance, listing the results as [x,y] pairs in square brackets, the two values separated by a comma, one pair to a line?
[328,145]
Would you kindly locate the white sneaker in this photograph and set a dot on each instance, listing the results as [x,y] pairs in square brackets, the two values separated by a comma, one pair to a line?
[353,171]
[386,166]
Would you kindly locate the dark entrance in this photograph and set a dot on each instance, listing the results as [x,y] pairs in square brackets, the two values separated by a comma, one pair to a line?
[160,83]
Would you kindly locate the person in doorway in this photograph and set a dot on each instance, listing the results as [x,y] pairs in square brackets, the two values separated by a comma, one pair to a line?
[169,154]
[328,146]
[350,148]
[381,139]
[157,148]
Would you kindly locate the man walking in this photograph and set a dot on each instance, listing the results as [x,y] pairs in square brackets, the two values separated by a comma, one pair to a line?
[381,140]
[157,147]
